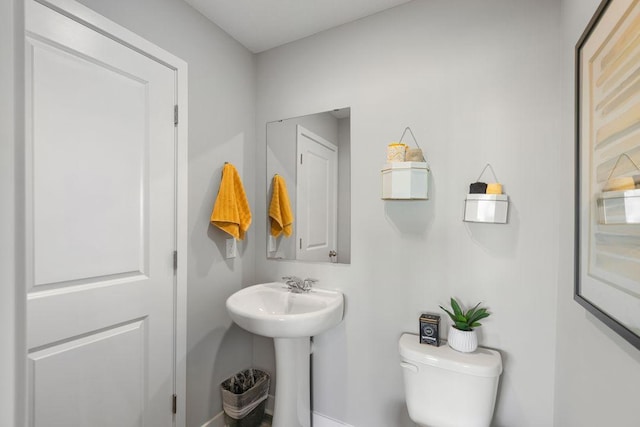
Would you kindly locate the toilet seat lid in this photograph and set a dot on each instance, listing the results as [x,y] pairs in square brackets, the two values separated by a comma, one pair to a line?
[483,362]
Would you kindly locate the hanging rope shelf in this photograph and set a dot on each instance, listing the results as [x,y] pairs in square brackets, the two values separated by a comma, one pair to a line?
[485,201]
[405,175]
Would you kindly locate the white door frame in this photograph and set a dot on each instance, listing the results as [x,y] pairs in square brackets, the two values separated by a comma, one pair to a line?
[88,17]
[12,292]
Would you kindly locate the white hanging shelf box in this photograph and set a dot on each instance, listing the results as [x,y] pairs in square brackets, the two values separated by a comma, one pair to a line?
[490,208]
[619,207]
[405,181]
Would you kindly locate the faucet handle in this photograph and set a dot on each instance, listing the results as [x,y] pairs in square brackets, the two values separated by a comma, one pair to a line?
[309,282]
[293,282]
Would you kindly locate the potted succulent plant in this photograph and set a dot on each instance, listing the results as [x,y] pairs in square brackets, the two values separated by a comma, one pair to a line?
[462,336]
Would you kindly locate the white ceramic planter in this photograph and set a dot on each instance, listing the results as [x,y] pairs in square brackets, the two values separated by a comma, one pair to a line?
[463,341]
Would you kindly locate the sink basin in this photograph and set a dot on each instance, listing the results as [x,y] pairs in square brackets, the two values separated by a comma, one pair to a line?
[271,310]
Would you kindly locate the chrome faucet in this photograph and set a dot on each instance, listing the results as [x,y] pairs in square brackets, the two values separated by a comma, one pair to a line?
[298,285]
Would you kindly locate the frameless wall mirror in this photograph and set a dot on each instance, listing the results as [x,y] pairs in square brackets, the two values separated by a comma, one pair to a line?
[312,155]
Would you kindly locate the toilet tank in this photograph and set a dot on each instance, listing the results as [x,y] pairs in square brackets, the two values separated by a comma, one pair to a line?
[447,388]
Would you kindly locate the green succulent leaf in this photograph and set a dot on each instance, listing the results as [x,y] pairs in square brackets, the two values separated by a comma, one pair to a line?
[451,315]
[466,321]
[456,308]
[479,317]
[463,326]
[471,312]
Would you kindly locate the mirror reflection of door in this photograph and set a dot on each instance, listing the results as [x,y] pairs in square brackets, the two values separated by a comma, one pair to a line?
[317,193]
[282,158]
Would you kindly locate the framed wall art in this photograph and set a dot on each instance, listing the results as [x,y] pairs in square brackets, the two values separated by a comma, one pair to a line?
[607,263]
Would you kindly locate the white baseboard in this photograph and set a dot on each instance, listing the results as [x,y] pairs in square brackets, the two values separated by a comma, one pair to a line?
[217,421]
[318,420]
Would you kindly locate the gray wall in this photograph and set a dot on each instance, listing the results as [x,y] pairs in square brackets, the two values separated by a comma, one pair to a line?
[221,128]
[477,82]
[597,372]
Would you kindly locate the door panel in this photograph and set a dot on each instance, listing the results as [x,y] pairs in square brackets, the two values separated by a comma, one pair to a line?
[69,369]
[104,164]
[100,185]
[318,166]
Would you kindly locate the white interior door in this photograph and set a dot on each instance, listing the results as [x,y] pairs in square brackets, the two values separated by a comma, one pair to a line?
[100,228]
[317,190]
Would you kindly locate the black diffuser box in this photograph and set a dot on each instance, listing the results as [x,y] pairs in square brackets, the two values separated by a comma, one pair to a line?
[430,329]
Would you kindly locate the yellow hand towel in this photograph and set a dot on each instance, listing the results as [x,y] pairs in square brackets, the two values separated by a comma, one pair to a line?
[280,213]
[231,212]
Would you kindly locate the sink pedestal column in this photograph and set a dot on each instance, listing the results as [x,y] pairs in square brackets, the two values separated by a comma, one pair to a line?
[293,394]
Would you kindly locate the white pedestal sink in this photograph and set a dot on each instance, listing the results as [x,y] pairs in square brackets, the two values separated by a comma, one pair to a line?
[291,319]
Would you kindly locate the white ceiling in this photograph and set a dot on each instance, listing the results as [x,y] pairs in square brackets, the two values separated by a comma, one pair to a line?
[263,24]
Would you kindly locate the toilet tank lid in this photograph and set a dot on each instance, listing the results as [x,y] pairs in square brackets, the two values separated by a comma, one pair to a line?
[483,362]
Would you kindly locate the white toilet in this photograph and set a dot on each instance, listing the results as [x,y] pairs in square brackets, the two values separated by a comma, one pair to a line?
[446,388]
